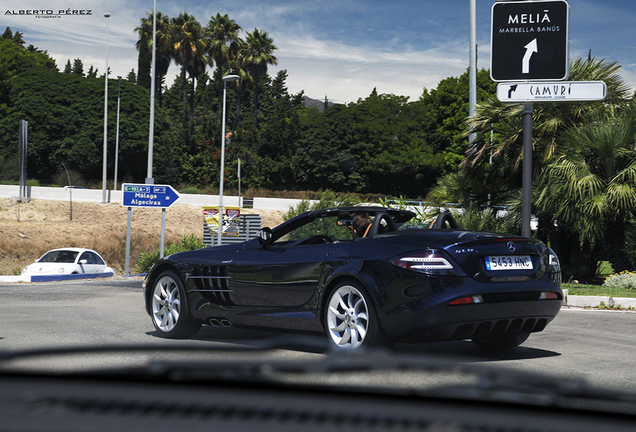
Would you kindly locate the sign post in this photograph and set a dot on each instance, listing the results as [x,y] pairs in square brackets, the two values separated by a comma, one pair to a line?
[529,43]
[149,196]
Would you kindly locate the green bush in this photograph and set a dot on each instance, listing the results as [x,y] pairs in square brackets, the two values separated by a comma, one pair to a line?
[9,170]
[192,190]
[147,260]
[624,280]
[475,218]
[471,218]
[324,199]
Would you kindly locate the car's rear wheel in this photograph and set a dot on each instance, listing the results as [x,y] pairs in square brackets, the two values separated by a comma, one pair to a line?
[170,313]
[501,342]
[350,319]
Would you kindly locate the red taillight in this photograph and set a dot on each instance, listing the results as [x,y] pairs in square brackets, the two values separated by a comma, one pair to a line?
[548,296]
[467,300]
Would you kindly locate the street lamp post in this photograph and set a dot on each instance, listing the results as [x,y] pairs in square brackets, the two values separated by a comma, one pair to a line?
[106,15]
[472,66]
[117,135]
[153,77]
[221,209]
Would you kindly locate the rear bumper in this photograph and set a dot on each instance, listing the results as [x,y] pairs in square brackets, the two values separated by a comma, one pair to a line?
[507,308]
[481,320]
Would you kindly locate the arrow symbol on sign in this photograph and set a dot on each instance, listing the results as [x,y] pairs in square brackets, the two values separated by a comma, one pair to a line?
[531,48]
[513,88]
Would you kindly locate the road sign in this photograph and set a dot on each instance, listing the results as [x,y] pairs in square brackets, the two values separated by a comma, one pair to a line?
[530,41]
[145,195]
[559,91]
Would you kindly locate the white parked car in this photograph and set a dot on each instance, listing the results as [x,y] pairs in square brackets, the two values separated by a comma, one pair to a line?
[68,261]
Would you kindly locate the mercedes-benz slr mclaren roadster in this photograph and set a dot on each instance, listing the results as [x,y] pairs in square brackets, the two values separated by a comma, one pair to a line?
[393,283]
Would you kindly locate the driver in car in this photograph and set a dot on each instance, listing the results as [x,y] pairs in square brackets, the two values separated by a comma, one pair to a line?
[360,225]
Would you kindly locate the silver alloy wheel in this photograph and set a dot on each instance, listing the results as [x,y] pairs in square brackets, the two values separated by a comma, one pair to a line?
[347,317]
[166,304]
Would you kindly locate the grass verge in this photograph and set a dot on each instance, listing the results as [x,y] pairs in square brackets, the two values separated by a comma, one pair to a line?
[597,290]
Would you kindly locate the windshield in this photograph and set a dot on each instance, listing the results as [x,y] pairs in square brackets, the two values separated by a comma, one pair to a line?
[62,256]
[325,226]
[150,158]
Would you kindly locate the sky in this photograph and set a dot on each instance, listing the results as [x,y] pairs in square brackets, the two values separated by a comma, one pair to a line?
[339,49]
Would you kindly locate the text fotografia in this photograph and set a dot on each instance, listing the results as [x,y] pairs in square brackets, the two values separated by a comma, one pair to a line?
[49,13]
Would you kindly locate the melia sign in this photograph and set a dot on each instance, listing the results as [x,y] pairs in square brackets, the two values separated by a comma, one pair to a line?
[530,41]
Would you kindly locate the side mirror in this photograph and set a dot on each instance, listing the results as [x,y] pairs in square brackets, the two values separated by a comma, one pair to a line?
[83,261]
[264,236]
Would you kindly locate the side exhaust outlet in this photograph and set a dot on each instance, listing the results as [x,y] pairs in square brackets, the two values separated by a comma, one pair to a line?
[215,322]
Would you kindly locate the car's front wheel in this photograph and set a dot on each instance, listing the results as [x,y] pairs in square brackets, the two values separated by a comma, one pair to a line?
[501,342]
[350,319]
[170,314]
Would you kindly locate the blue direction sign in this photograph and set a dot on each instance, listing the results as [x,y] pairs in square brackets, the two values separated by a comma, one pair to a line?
[144,195]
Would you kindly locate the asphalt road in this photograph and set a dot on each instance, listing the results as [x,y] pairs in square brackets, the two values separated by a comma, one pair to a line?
[599,346]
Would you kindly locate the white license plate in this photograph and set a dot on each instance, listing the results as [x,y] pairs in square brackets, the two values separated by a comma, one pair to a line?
[509,262]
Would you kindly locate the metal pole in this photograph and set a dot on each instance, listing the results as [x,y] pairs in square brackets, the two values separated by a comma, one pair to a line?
[221,208]
[151,134]
[239,180]
[220,229]
[70,192]
[117,136]
[472,69]
[163,232]
[22,155]
[127,271]
[526,200]
[104,179]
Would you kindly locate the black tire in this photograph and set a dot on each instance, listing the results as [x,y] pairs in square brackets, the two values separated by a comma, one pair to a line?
[350,318]
[169,308]
[501,343]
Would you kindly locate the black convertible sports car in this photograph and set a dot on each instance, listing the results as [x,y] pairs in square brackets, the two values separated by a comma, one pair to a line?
[393,282]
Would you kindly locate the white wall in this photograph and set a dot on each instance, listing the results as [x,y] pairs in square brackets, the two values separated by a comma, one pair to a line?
[95,196]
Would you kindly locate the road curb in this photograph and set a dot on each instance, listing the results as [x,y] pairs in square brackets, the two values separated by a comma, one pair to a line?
[598,301]
[53,278]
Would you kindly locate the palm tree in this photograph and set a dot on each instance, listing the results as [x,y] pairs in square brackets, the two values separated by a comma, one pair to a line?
[189,47]
[592,184]
[550,120]
[196,69]
[223,45]
[164,46]
[481,187]
[257,55]
[239,66]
